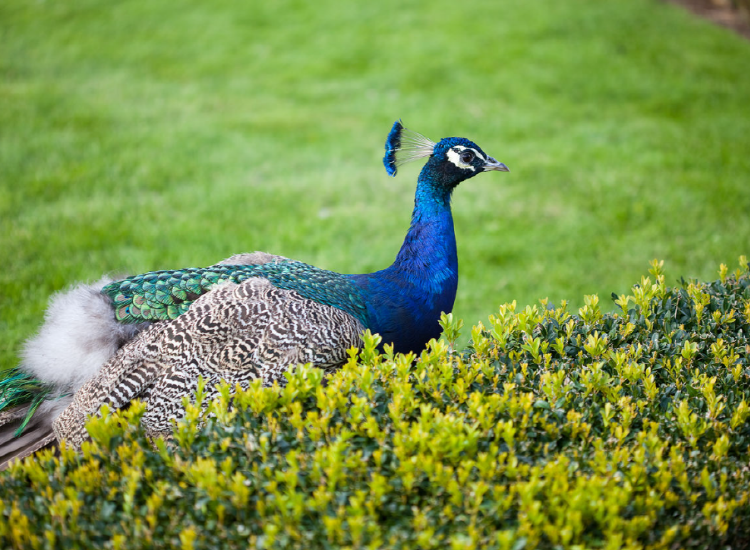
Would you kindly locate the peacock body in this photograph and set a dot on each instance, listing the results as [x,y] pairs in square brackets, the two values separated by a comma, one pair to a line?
[251,316]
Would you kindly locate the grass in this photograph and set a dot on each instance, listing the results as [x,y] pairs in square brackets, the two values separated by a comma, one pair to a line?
[137,136]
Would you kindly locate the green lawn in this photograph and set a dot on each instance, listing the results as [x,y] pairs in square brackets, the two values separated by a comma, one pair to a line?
[140,135]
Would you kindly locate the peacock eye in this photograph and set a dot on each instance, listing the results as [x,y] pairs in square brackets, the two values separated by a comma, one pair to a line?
[467,157]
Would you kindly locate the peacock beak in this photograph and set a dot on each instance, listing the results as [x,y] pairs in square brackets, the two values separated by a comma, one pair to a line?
[492,164]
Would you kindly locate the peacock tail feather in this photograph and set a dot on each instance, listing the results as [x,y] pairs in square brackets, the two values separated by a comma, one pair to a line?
[21,388]
[165,295]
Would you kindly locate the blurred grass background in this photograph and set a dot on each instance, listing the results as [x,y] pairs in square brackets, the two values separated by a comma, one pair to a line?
[143,135]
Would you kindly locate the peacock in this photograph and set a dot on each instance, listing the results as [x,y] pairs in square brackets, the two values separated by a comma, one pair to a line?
[251,316]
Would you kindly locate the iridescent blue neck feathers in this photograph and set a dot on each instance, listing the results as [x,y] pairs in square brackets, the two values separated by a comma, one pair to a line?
[405,300]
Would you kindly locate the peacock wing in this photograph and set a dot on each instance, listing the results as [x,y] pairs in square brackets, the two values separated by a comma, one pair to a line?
[235,332]
[165,295]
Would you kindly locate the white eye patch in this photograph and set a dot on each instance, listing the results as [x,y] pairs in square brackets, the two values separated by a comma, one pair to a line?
[454,155]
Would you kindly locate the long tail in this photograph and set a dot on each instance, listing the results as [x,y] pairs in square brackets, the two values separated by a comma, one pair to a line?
[28,407]
[37,433]
[80,333]
[78,336]
[18,389]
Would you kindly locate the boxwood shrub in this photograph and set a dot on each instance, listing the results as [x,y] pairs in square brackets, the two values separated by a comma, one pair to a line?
[553,430]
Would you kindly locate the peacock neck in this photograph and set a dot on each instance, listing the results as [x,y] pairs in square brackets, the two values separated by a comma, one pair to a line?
[428,255]
[404,301]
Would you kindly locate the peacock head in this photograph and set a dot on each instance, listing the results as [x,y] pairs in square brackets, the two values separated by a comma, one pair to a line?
[451,160]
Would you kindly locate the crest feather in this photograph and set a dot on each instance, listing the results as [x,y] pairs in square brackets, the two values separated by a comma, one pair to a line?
[404,145]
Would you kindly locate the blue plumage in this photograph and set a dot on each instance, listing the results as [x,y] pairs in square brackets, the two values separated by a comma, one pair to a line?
[405,300]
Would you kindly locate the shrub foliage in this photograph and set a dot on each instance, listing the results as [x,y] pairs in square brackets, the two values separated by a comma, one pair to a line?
[554,430]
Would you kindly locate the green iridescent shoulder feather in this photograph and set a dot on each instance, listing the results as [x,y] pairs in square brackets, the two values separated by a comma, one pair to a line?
[164,295]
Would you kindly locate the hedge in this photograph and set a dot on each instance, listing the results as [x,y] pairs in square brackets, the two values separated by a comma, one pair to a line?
[553,430]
